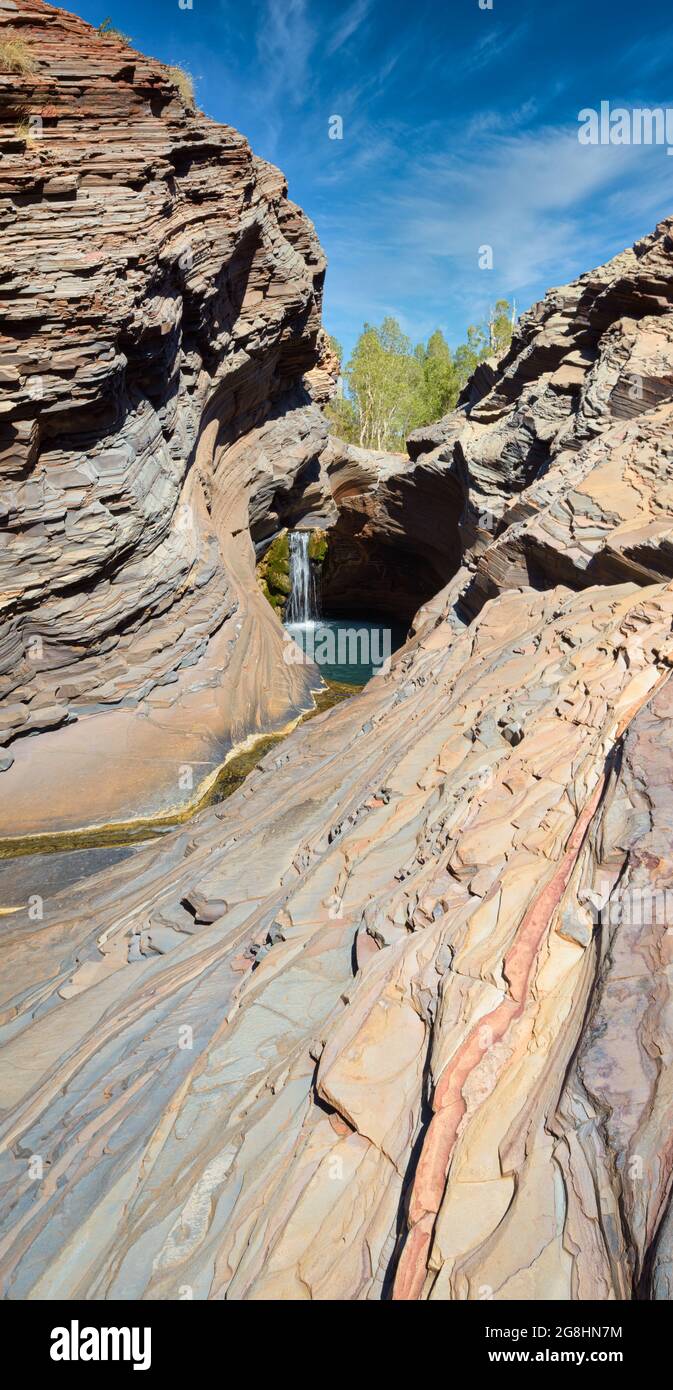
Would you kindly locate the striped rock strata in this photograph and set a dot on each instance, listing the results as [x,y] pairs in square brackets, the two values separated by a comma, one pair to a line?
[321,1044]
[160,358]
[394,1022]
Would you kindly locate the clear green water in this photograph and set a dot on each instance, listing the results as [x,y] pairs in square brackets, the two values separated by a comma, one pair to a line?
[46,864]
[349,650]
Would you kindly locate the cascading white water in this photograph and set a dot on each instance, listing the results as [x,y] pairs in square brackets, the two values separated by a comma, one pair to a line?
[302,605]
[346,651]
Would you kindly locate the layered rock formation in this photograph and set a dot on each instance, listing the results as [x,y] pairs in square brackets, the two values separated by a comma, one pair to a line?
[394,1021]
[160,358]
[394,539]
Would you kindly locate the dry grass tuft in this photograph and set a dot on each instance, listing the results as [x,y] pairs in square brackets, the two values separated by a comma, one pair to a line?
[106,30]
[27,129]
[185,85]
[15,56]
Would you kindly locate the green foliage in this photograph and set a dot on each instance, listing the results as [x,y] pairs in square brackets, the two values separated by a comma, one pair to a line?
[273,572]
[393,387]
[500,328]
[384,378]
[343,420]
[15,56]
[441,383]
[317,547]
[184,82]
[106,30]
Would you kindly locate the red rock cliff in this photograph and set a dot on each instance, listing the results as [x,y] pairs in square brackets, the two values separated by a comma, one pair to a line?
[160,352]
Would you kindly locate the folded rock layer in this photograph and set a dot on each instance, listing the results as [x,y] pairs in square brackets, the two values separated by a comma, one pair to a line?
[161,354]
[394,1021]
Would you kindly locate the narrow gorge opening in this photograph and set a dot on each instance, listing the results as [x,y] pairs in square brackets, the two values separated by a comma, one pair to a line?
[348,648]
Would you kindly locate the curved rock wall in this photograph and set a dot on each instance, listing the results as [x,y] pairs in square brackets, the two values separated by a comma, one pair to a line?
[394,540]
[160,355]
[394,1021]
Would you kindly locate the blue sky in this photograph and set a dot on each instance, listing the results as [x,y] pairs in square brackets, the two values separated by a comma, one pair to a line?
[459,130]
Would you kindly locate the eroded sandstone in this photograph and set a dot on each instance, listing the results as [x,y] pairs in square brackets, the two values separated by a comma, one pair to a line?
[394,1021]
[161,354]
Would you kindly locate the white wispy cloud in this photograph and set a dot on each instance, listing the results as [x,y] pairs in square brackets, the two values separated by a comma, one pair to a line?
[350,22]
[549,207]
[285,40]
[644,58]
[491,48]
[527,195]
[425,175]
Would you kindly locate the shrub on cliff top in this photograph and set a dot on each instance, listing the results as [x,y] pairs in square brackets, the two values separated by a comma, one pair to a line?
[15,56]
[185,85]
[106,30]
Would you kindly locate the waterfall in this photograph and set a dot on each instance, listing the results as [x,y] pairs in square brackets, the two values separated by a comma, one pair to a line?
[302,605]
